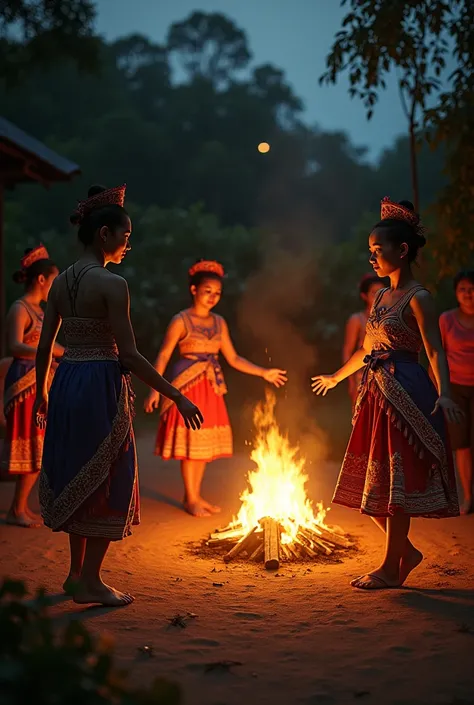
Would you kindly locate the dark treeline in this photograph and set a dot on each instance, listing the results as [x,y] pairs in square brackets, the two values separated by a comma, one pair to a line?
[180,124]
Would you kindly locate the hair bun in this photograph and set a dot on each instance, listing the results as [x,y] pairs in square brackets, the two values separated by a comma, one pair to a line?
[95,189]
[407,204]
[75,218]
[28,250]
[19,277]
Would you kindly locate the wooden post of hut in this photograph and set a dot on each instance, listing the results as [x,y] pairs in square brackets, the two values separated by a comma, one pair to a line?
[23,159]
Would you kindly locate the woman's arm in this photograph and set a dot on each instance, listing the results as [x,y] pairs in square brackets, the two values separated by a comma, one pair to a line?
[17,322]
[233,359]
[321,384]
[273,376]
[175,331]
[117,300]
[423,308]
[49,331]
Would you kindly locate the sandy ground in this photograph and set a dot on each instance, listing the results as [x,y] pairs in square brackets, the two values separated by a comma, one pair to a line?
[302,636]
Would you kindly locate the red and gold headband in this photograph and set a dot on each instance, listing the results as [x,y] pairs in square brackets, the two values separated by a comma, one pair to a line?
[207,266]
[389,209]
[111,196]
[35,255]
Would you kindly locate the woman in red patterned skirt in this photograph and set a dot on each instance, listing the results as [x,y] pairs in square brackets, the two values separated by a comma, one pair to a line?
[398,463]
[200,335]
[23,446]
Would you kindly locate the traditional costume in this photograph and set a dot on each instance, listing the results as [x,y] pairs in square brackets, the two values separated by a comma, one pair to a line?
[198,375]
[89,478]
[23,445]
[398,457]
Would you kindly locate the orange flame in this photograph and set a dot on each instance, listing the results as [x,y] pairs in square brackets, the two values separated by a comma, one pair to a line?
[277,486]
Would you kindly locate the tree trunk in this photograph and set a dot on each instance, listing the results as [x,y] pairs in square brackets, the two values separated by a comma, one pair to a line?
[414,167]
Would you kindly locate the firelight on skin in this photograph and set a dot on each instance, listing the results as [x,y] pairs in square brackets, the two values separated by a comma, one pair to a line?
[398,464]
[201,336]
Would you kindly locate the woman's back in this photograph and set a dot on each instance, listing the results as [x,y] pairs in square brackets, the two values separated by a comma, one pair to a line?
[81,302]
[79,291]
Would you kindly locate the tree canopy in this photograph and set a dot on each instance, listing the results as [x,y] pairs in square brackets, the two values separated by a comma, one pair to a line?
[420,39]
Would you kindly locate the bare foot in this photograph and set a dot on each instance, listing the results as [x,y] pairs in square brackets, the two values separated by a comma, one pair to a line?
[377,580]
[409,562]
[212,508]
[22,519]
[71,585]
[196,509]
[101,594]
[36,517]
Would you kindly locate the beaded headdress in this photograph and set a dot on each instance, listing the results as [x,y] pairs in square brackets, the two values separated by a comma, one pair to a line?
[390,209]
[207,266]
[111,196]
[35,255]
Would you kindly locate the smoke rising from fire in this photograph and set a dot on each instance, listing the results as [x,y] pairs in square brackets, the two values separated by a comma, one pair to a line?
[273,310]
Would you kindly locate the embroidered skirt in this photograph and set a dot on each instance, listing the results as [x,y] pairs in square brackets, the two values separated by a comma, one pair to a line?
[89,478]
[214,438]
[23,445]
[398,457]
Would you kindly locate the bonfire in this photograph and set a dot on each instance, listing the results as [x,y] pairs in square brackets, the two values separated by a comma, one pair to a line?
[276,521]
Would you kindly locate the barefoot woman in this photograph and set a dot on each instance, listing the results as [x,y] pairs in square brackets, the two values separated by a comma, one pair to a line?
[89,482]
[200,335]
[23,447]
[397,465]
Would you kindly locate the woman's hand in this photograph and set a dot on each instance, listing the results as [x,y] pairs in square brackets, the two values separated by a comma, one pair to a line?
[321,384]
[453,412]
[276,377]
[40,410]
[151,402]
[190,413]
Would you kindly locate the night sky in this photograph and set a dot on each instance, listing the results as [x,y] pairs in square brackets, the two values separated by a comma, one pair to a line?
[295,35]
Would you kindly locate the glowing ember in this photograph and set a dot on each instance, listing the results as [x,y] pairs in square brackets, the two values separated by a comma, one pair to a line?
[277,486]
[276,519]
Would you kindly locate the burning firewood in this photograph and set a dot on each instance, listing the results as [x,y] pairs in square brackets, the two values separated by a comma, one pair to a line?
[305,549]
[271,543]
[258,554]
[227,534]
[276,521]
[240,546]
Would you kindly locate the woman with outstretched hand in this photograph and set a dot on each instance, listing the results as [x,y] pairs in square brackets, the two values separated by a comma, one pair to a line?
[398,464]
[89,478]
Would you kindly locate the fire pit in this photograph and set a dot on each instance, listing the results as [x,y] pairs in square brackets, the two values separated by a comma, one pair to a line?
[276,521]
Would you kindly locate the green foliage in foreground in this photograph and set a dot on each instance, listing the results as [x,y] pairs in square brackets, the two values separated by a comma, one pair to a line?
[46,666]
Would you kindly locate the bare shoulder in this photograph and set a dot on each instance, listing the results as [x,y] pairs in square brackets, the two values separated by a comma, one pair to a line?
[18,311]
[422,295]
[447,315]
[422,301]
[354,319]
[112,281]
[177,322]
[221,320]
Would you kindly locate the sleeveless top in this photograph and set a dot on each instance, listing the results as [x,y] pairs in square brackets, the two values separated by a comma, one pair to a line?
[458,343]
[87,339]
[386,328]
[199,340]
[33,332]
